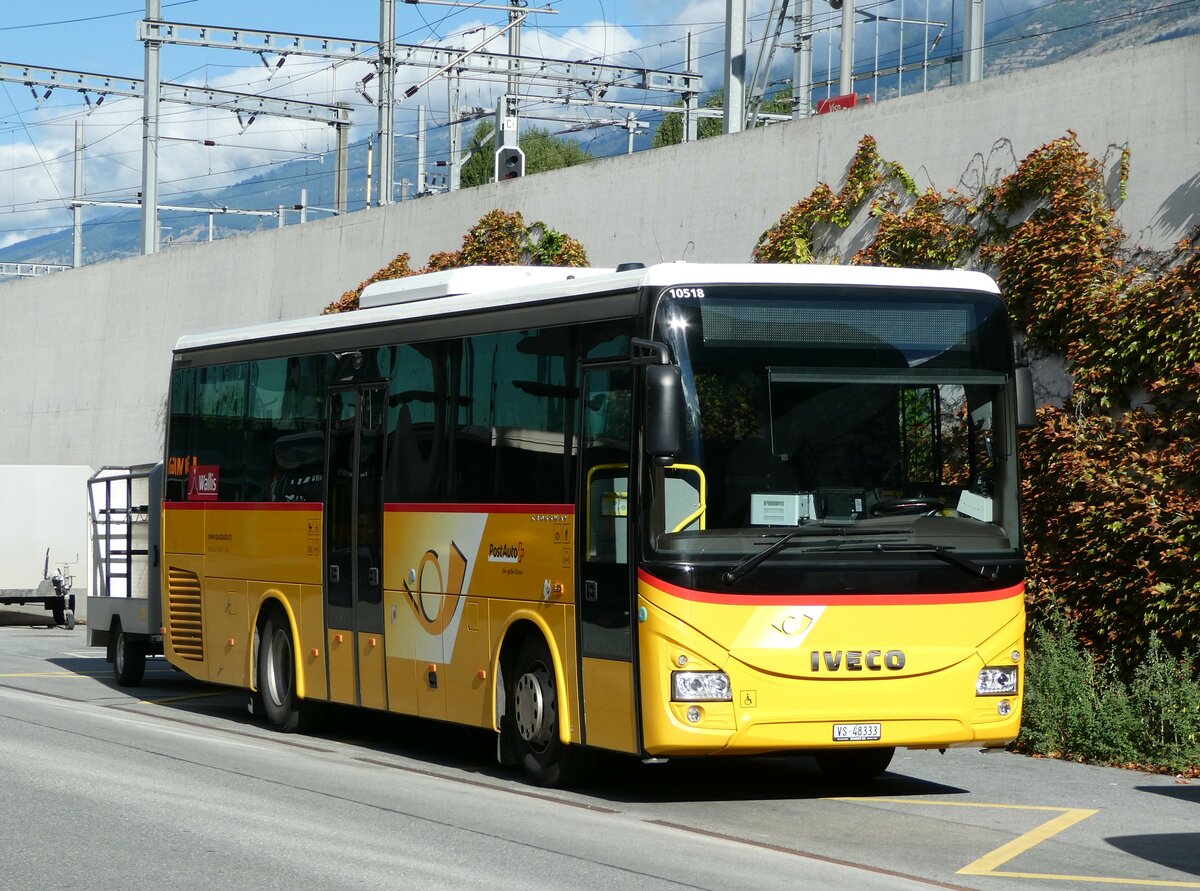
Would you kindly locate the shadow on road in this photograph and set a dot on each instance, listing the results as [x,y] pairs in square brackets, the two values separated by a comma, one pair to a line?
[760,778]
[616,778]
[1179,851]
[1184,791]
[31,615]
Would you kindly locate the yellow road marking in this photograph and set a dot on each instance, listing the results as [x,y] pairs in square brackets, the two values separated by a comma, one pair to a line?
[1091,880]
[989,864]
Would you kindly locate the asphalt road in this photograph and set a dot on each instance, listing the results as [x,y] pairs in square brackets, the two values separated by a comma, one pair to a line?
[174,785]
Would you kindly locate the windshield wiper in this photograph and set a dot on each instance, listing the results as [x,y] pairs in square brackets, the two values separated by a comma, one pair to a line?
[942,553]
[749,564]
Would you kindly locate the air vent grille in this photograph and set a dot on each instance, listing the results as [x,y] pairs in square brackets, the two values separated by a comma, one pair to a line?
[185,620]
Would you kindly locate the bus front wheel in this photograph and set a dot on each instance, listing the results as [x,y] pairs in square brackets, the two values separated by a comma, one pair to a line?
[855,765]
[535,718]
[277,675]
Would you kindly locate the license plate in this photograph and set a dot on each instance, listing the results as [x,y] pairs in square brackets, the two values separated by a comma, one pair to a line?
[857,732]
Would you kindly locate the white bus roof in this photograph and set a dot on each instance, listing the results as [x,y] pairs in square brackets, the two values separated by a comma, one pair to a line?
[477,288]
[467,280]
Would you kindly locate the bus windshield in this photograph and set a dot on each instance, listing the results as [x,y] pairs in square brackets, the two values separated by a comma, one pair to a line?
[854,422]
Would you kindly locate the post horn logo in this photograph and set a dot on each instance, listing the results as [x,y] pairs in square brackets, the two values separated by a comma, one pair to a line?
[436,612]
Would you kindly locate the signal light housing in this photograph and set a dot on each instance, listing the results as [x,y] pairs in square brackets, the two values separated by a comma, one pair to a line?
[510,163]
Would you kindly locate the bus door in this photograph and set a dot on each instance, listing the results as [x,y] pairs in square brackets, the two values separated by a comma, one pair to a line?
[605,592]
[354,541]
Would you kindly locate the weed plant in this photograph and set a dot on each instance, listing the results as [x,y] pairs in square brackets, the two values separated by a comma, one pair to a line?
[1083,708]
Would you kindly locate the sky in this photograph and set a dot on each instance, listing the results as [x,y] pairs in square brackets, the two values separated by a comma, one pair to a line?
[37,132]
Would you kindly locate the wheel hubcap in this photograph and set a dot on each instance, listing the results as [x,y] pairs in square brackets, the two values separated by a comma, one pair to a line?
[534,707]
[278,668]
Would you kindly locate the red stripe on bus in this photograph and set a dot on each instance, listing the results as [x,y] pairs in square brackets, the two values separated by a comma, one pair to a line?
[242,505]
[443,508]
[830,599]
[438,508]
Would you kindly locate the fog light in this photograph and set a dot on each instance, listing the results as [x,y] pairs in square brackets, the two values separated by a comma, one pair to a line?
[694,714]
[1004,708]
[997,680]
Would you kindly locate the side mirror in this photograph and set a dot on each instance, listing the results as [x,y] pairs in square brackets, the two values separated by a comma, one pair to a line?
[1026,410]
[664,412]
[1026,407]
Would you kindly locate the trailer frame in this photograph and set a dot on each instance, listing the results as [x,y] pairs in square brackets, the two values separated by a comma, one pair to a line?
[124,606]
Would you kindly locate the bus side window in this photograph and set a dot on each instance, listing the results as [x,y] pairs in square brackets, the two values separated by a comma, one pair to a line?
[180,446]
[416,435]
[285,435]
[219,427]
[606,429]
[533,393]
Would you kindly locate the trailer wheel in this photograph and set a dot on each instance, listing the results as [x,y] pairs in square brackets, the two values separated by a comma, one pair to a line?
[129,658]
[277,675]
[535,720]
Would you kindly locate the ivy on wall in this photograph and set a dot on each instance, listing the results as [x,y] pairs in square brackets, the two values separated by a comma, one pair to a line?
[498,239]
[931,233]
[1112,522]
[1112,495]
[808,231]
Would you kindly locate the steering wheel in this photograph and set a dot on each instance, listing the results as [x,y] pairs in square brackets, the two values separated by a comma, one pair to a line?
[913,504]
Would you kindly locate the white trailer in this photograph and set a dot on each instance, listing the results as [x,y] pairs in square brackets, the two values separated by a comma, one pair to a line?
[124,605]
[43,540]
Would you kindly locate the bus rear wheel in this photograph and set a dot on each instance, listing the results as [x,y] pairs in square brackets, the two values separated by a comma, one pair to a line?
[545,759]
[277,675]
[855,765]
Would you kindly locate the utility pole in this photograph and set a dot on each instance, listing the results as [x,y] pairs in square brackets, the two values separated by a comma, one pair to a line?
[370,149]
[690,100]
[973,14]
[422,183]
[802,62]
[387,99]
[846,70]
[76,206]
[735,65]
[150,134]
[341,173]
[515,18]
[454,87]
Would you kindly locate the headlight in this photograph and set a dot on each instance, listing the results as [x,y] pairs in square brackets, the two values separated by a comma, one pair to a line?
[700,686]
[997,681]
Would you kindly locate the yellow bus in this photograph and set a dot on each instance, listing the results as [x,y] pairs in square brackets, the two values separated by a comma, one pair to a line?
[670,511]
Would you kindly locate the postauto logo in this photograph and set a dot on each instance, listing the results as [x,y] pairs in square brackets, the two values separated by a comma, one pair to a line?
[506,553]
